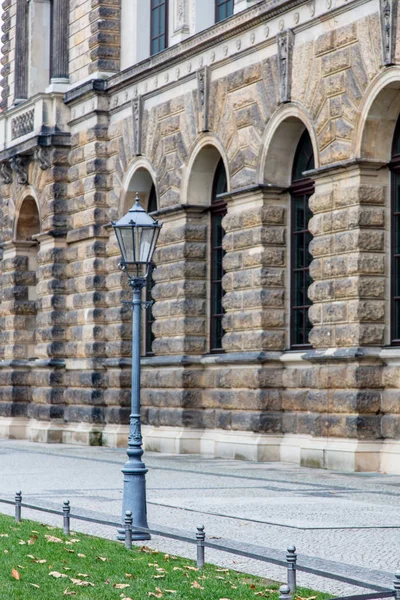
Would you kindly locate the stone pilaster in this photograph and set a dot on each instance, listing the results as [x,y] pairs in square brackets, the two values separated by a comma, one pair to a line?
[104,42]
[348,269]
[255,259]
[21,52]
[59,69]
[181,283]
[6,29]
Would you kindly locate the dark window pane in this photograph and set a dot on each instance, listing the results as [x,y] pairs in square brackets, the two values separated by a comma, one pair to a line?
[301,190]
[224,9]
[218,210]
[158,26]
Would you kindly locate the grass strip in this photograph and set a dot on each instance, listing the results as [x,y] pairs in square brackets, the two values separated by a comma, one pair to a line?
[39,563]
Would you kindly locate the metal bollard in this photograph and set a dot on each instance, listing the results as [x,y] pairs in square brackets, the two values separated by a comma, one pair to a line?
[128,529]
[284,592]
[67,518]
[396,585]
[200,537]
[18,506]
[291,558]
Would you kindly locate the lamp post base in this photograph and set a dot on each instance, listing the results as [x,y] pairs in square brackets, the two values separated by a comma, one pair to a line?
[135,499]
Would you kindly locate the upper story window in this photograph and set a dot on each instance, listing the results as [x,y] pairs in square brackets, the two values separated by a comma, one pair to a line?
[300,191]
[223,9]
[395,238]
[158,26]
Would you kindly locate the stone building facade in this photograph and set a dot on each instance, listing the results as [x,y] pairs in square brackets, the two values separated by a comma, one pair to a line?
[263,135]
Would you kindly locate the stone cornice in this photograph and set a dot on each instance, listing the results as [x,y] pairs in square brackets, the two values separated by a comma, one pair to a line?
[199,42]
[28,146]
[345,165]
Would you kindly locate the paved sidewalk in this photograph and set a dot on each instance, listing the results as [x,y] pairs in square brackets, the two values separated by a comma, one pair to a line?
[349,518]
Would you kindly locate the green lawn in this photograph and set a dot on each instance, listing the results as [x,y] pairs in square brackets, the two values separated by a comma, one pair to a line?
[39,562]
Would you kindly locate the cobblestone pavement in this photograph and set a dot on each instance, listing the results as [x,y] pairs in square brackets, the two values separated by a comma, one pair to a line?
[353,519]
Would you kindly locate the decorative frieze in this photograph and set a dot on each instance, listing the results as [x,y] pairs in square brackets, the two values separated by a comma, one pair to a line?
[137,109]
[203,87]
[181,24]
[388,18]
[285,42]
[23,124]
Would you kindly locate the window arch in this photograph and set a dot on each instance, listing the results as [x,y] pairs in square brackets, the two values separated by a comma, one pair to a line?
[217,211]
[300,191]
[395,237]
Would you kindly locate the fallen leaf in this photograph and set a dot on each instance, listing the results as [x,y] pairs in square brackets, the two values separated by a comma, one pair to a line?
[191,568]
[177,569]
[170,591]
[34,531]
[121,586]
[222,570]
[53,539]
[102,558]
[68,593]
[5,551]
[196,585]
[35,585]
[22,543]
[158,576]
[159,593]
[82,555]
[70,551]
[56,574]
[32,540]
[30,556]
[3,534]
[82,574]
[15,574]
[81,583]
[129,575]
[145,549]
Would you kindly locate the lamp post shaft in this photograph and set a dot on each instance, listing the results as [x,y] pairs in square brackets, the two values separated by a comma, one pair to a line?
[134,469]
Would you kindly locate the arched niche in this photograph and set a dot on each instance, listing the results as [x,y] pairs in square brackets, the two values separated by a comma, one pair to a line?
[378,122]
[28,222]
[141,182]
[201,172]
[281,139]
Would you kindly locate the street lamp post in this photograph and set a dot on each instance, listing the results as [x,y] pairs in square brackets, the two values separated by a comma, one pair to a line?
[137,235]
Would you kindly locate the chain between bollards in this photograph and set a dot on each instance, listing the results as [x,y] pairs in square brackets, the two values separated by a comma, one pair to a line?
[18,506]
[67,517]
[200,537]
[128,529]
[291,558]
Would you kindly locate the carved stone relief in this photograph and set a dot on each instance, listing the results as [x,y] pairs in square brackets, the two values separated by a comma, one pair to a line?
[203,87]
[20,168]
[22,124]
[181,16]
[285,41]
[5,173]
[388,18]
[43,157]
[137,125]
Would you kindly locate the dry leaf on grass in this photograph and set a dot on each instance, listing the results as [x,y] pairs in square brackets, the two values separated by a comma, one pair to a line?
[3,534]
[197,586]
[157,594]
[158,576]
[82,555]
[102,558]
[15,574]
[57,575]
[35,585]
[82,574]
[81,583]
[67,592]
[191,568]
[53,539]
[22,543]
[170,591]
[121,586]
[129,575]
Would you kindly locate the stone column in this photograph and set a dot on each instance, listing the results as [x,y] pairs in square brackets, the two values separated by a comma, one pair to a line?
[21,52]
[59,71]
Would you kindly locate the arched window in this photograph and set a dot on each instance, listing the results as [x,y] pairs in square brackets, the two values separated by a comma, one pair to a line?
[223,9]
[395,238]
[218,210]
[300,191]
[149,335]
